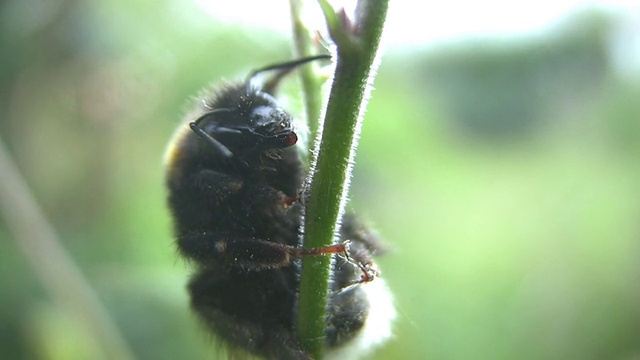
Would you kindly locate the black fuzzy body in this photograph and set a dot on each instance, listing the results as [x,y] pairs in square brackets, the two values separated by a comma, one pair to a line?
[237,218]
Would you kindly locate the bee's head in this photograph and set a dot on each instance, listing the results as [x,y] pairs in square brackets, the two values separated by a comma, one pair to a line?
[270,128]
[255,123]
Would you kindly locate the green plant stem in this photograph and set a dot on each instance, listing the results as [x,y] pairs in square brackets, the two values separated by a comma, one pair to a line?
[357,45]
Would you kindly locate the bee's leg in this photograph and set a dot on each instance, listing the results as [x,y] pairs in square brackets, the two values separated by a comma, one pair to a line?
[246,253]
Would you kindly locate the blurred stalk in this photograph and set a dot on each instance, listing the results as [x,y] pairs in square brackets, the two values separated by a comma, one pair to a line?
[53,266]
[356,62]
[303,39]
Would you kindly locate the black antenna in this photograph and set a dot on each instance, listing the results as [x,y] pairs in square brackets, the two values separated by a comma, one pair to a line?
[284,69]
[217,145]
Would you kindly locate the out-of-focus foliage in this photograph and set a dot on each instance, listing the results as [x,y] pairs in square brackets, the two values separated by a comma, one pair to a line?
[508,88]
[504,174]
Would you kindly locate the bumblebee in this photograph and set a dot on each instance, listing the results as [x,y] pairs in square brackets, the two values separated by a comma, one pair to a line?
[234,179]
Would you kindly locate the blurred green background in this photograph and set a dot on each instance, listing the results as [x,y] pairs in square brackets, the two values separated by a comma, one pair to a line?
[503,172]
